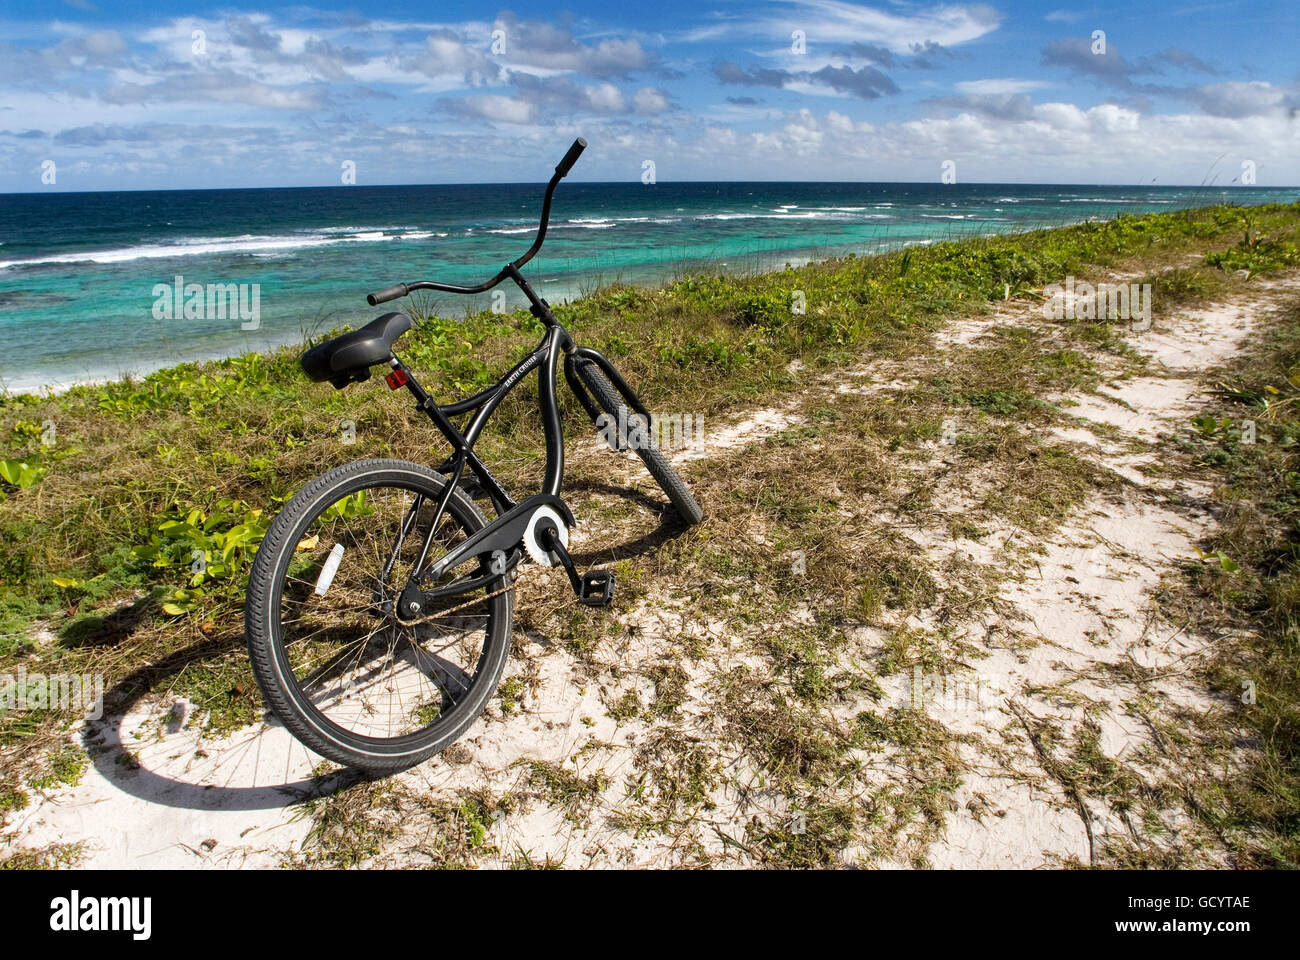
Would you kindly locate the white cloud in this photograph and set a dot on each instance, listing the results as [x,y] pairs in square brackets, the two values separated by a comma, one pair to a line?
[838,122]
[501,109]
[1065,117]
[999,86]
[838,22]
[105,43]
[649,101]
[1113,119]
[554,48]
[448,54]
[1235,99]
[1059,142]
[606,98]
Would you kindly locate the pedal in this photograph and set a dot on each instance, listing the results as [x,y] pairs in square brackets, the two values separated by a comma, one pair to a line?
[597,588]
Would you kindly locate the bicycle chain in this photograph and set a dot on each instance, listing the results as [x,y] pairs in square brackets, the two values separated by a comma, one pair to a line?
[442,613]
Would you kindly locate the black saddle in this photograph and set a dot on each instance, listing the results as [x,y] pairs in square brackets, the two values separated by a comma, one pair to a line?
[348,358]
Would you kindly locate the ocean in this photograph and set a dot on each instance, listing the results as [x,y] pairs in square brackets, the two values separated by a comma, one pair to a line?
[82,275]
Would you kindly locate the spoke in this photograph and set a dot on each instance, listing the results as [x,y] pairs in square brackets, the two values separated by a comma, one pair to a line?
[357,665]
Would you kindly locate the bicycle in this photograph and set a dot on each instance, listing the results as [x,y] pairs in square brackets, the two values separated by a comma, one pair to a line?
[379,606]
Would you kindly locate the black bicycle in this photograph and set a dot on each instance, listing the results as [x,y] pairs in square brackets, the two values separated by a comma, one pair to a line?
[379,605]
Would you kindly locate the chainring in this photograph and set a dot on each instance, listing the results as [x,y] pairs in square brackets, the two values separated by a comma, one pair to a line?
[535,550]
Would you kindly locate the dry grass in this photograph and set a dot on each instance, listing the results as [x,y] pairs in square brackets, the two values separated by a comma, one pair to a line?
[758,690]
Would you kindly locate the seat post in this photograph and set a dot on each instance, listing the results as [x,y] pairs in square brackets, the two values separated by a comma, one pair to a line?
[427,404]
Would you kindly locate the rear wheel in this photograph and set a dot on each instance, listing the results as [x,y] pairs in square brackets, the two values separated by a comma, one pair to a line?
[611,401]
[348,678]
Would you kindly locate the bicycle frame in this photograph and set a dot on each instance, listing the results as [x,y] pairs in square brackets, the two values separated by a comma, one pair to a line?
[506,530]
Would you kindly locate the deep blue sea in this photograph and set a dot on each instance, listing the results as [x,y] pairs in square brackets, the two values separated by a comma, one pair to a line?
[78,271]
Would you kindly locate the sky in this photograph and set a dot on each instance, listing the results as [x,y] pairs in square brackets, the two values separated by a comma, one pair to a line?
[97,95]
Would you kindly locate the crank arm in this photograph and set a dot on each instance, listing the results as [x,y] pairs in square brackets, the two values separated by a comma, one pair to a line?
[505,533]
[595,588]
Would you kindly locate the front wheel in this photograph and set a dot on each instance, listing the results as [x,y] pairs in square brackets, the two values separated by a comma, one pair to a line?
[348,677]
[612,403]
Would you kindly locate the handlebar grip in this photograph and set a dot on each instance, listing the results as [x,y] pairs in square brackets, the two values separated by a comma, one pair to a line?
[570,158]
[389,293]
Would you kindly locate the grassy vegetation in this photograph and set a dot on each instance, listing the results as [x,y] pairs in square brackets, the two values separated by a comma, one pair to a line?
[108,496]
[1247,592]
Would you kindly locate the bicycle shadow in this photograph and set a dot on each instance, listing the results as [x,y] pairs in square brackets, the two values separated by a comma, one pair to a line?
[181,768]
[262,766]
[670,524]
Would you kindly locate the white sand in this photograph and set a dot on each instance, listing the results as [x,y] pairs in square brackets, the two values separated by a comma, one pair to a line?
[1083,607]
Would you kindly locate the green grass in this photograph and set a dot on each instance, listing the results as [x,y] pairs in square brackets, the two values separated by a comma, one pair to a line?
[130,455]
[98,533]
[57,856]
[566,789]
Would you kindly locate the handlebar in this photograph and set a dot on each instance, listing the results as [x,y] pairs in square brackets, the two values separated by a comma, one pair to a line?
[571,157]
[388,293]
[561,171]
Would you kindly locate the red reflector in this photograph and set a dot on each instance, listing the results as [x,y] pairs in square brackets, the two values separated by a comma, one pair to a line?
[396,379]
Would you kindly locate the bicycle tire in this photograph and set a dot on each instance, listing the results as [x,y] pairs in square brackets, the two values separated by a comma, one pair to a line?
[264,633]
[611,402]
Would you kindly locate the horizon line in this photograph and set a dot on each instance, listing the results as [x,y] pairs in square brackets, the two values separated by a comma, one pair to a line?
[524,183]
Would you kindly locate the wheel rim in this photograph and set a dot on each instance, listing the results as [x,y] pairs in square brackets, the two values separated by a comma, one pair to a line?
[359,674]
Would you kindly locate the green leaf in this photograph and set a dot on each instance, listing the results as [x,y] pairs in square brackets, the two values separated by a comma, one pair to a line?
[22,474]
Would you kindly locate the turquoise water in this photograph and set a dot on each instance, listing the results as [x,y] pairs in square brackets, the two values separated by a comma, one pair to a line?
[78,271]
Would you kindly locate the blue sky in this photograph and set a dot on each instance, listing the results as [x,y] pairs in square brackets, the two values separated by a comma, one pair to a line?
[135,95]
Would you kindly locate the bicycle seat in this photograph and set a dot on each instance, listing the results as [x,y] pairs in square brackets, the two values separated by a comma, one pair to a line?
[349,357]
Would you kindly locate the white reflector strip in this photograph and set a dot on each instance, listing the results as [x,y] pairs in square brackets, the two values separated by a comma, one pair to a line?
[327,572]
